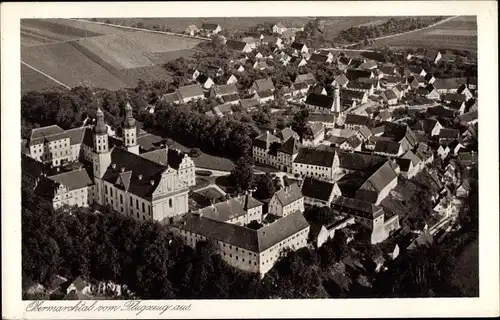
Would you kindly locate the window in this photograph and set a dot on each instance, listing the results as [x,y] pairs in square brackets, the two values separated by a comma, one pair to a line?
[137,204]
[111,191]
[170,203]
[131,201]
[121,198]
[230,255]
[143,208]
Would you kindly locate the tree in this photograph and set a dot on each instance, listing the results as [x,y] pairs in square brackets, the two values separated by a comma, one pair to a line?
[242,174]
[265,186]
[195,152]
[299,122]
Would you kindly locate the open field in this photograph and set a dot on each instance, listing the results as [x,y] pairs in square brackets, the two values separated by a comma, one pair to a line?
[39,32]
[459,33]
[76,53]
[180,24]
[35,81]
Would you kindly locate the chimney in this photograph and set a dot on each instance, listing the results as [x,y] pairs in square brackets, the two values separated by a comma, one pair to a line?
[140,177]
[152,182]
[58,169]
[122,169]
[113,166]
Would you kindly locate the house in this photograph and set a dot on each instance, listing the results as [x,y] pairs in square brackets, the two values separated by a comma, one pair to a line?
[359,96]
[190,92]
[387,71]
[409,165]
[232,79]
[192,30]
[449,85]
[429,78]
[298,61]
[260,65]
[314,134]
[389,97]
[464,90]
[430,126]
[222,90]
[319,193]
[249,104]
[326,119]
[468,159]
[363,133]
[448,134]
[355,74]
[388,148]
[205,81]
[211,28]
[299,48]
[369,216]
[307,78]
[264,96]
[355,121]
[449,97]
[286,134]
[368,65]
[172,97]
[239,210]
[78,285]
[384,116]
[286,201]
[261,85]
[320,102]
[433,56]
[464,189]
[272,41]
[316,163]
[392,81]
[341,80]
[456,106]
[231,99]
[352,143]
[279,28]
[429,92]
[360,86]
[284,58]
[250,41]
[223,110]
[379,184]
[239,46]
[239,67]
[467,118]
[320,58]
[300,89]
[214,70]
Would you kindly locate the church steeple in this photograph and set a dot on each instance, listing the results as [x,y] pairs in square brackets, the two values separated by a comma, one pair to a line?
[130,131]
[100,133]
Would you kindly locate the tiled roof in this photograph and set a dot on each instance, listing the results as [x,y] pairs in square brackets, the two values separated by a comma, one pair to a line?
[377,182]
[469,116]
[307,78]
[291,146]
[448,133]
[149,141]
[288,195]
[170,97]
[173,157]
[190,91]
[342,79]
[356,119]
[236,45]
[242,237]
[31,167]
[385,146]
[323,158]
[321,117]
[224,211]
[453,97]
[49,133]
[248,103]
[353,74]
[318,57]
[317,189]
[225,89]
[287,133]
[148,170]
[209,26]
[354,141]
[313,129]
[76,135]
[404,164]
[265,140]
[358,207]
[389,95]
[411,156]
[300,86]
[359,161]
[449,83]
[352,94]
[359,85]
[320,100]
[265,93]
[231,97]
[297,46]
[368,65]
[74,180]
[264,84]
[202,78]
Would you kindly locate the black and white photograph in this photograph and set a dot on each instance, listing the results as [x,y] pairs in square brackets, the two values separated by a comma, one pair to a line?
[245,157]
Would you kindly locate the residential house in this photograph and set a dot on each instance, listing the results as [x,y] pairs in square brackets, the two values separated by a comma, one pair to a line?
[264,96]
[250,41]
[430,126]
[326,119]
[368,65]
[298,61]
[249,104]
[231,79]
[261,85]
[272,41]
[448,135]
[316,163]
[384,116]
[319,193]
[279,28]
[240,210]
[300,89]
[205,81]
[464,90]
[359,96]
[388,148]
[307,78]
[313,135]
[341,80]
[354,74]
[359,86]
[392,81]
[78,285]
[192,30]
[463,189]
[389,97]
[218,91]
[328,231]
[467,118]
[320,58]
[352,143]
[449,85]
[456,106]
[387,71]
[449,97]
[433,56]
[288,36]
[239,68]
[299,48]
[260,65]
[286,201]
[362,133]
[239,46]
[211,28]
[355,121]
[190,92]
[429,78]
[320,102]
[231,99]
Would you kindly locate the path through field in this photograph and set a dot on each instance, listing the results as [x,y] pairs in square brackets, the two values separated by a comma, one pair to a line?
[46,75]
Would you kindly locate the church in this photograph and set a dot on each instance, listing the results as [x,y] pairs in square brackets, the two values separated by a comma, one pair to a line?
[151,185]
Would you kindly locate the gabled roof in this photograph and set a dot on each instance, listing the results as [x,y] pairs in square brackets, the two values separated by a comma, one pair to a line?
[358,207]
[320,100]
[307,78]
[318,57]
[190,91]
[387,146]
[297,46]
[448,133]
[264,84]
[341,79]
[170,97]
[225,89]
[370,64]
[449,83]
[288,195]
[467,117]
[354,142]
[431,55]
[49,133]
[73,180]
[453,97]
[365,132]
[322,158]
[352,94]
[230,97]
[76,135]
[248,103]
[265,140]
[317,189]
[300,86]
[356,119]
[264,94]
[412,157]
[209,26]
[286,134]
[359,85]
[404,164]
[353,74]
[236,45]
[389,95]
[321,117]
[290,146]
[313,129]
[359,161]
[376,183]
[202,78]
[31,167]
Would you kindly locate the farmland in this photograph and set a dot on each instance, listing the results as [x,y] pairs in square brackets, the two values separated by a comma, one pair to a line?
[459,33]
[85,53]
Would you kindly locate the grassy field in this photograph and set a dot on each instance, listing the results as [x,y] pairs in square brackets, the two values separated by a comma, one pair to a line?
[466,274]
[34,81]
[85,53]
[458,33]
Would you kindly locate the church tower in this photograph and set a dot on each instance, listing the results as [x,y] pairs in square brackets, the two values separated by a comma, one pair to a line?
[336,98]
[130,131]
[102,155]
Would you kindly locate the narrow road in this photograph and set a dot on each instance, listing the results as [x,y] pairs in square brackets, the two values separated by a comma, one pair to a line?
[43,73]
[347,46]
[141,29]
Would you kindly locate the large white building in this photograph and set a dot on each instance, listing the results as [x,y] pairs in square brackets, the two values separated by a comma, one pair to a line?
[244,248]
[278,152]
[316,163]
[147,186]
[286,201]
